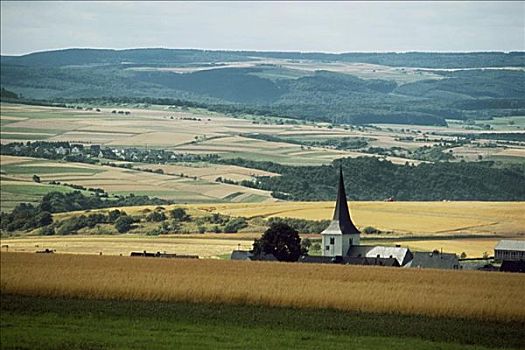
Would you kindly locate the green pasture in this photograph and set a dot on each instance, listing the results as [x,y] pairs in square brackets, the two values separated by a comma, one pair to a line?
[16,192]
[45,323]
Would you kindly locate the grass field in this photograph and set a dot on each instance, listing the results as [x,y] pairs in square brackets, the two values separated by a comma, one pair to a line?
[461,294]
[51,323]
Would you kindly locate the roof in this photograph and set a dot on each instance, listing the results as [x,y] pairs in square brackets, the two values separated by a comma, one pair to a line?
[241,255]
[316,259]
[402,255]
[264,257]
[508,244]
[371,261]
[433,260]
[341,222]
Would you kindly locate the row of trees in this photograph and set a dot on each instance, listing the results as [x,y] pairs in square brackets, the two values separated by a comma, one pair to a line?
[369,178]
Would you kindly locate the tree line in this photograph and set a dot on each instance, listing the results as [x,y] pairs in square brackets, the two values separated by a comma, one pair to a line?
[369,178]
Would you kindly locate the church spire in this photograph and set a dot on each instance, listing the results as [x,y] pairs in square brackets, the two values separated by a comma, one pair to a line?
[341,212]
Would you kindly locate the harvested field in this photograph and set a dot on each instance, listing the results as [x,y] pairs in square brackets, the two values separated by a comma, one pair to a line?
[463,294]
[207,171]
[407,218]
[206,246]
[473,248]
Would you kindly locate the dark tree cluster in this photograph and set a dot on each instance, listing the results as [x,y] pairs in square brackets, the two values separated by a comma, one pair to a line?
[370,178]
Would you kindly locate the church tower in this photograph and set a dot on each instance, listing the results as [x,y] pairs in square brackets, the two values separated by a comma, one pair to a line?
[341,234]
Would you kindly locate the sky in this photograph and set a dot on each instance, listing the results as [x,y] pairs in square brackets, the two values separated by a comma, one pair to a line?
[28,26]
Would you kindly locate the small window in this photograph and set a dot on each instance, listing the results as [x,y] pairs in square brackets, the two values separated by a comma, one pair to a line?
[327,247]
[332,240]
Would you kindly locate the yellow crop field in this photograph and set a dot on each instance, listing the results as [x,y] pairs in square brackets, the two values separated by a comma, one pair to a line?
[205,246]
[471,247]
[464,294]
[438,218]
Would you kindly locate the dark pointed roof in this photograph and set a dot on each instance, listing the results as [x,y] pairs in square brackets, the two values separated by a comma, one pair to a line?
[341,212]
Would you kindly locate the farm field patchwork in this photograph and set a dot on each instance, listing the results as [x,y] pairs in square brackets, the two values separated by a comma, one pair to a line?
[120,181]
[202,132]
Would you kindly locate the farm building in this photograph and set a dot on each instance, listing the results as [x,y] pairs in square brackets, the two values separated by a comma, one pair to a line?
[434,260]
[402,255]
[509,250]
[248,255]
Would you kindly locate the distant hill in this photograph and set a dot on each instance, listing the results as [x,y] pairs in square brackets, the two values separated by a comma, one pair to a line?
[292,84]
[161,56]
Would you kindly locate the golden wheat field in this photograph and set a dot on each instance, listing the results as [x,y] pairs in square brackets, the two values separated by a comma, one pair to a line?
[437,218]
[205,246]
[465,294]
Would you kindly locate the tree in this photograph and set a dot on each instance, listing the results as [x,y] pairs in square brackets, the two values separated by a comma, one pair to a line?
[280,240]
[235,224]
[305,245]
[36,178]
[124,224]
[156,216]
[179,214]
[113,215]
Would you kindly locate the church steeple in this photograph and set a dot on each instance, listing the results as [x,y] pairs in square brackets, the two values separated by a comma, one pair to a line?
[341,212]
[341,234]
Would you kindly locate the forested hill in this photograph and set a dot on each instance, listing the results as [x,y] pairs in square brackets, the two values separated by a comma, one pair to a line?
[168,57]
[369,178]
[351,88]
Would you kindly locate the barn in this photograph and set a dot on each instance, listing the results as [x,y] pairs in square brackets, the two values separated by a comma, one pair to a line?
[510,250]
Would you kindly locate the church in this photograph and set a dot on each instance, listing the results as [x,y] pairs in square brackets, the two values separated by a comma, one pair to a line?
[341,240]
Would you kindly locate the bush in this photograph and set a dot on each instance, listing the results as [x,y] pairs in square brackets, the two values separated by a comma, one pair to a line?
[180,214]
[156,216]
[113,215]
[124,224]
[201,229]
[235,225]
[47,231]
[370,230]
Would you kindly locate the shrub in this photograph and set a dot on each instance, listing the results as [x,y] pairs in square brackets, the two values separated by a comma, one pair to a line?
[370,230]
[235,225]
[180,214]
[124,224]
[156,216]
[113,215]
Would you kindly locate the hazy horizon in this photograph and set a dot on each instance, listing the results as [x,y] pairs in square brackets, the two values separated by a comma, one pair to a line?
[332,27]
[233,50]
